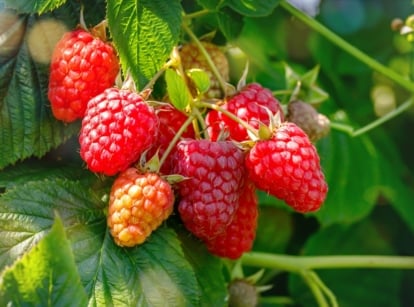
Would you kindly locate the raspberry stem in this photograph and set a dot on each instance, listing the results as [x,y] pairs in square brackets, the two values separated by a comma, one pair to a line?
[297,264]
[315,289]
[207,57]
[197,14]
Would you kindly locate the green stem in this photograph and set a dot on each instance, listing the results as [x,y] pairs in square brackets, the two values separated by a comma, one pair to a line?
[210,62]
[175,139]
[315,289]
[338,41]
[328,292]
[300,263]
[343,128]
[196,14]
[400,109]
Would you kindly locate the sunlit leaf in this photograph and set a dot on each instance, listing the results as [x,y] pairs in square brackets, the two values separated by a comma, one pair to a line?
[46,276]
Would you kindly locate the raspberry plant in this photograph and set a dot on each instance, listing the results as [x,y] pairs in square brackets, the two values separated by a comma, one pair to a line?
[188,177]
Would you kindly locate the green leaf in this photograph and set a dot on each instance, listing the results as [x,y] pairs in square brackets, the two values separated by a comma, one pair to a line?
[209,4]
[393,180]
[27,126]
[177,89]
[153,274]
[230,23]
[352,287]
[200,79]
[38,170]
[34,6]
[27,212]
[351,166]
[144,33]
[274,230]
[208,270]
[45,276]
[252,8]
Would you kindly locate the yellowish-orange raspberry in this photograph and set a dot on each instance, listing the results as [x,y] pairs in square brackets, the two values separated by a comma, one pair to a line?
[138,204]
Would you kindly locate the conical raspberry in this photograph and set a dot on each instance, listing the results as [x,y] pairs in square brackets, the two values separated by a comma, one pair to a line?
[138,204]
[82,67]
[117,128]
[287,166]
[210,194]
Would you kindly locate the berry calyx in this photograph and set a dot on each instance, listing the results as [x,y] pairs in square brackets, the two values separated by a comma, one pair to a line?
[117,128]
[138,204]
[287,166]
[82,66]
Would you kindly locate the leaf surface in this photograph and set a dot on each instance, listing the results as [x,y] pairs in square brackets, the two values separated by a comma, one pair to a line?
[144,33]
[46,276]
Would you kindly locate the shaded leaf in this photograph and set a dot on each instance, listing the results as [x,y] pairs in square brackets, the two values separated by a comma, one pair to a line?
[144,34]
[230,23]
[208,270]
[27,126]
[352,287]
[34,170]
[45,276]
[351,167]
[209,4]
[252,8]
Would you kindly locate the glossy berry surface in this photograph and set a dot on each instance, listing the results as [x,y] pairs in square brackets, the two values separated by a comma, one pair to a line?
[138,204]
[254,104]
[117,128]
[239,235]
[82,66]
[287,166]
[209,197]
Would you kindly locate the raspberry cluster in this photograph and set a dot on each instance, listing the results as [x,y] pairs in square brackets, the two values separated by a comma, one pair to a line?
[210,166]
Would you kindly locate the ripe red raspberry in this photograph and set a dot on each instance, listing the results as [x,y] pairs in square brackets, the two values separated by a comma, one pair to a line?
[138,204]
[287,166]
[117,128]
[82,67]
[251,104]
[239,235]
[191,57]
[170,120]
[210,195]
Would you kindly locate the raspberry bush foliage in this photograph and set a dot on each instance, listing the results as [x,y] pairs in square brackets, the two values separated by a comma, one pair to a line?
[206,153]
